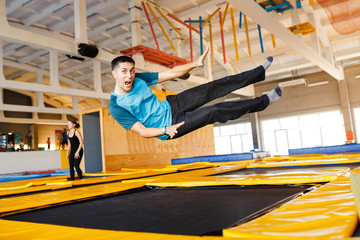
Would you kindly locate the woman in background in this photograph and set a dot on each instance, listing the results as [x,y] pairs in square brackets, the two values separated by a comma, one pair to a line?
[75,143]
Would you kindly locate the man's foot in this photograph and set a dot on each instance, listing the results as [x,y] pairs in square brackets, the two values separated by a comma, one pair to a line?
[70,179]
[268,62]
[274,95]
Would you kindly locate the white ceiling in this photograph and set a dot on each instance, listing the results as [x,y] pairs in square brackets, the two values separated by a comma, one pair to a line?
[109,28]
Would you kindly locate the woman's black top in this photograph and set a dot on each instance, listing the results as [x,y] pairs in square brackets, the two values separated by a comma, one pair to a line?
[74,141]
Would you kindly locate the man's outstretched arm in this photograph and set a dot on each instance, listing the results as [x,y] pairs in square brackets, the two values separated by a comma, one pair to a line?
[180,70]
[143,131]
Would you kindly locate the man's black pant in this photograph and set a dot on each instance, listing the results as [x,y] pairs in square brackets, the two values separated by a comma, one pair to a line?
[187,105]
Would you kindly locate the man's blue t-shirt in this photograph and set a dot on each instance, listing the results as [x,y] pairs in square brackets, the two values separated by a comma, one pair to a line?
[141,105]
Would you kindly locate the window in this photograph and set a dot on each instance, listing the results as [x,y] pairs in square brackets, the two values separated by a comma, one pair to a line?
[307,130]
[310,130]
[235,138]
[222,145]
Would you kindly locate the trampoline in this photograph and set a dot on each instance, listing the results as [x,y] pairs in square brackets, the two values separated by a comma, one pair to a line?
[218,199]
[200,211]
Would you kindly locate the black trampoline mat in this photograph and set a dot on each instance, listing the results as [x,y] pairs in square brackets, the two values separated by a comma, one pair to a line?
[173,211]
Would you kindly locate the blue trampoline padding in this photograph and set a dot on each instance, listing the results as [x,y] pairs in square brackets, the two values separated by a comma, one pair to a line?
[213,158]
[32,176]
[23,177]
[327,149]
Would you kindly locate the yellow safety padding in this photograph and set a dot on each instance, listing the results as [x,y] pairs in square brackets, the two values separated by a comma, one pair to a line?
[25,230]
[59,184]
[196,165]
[121,176]
[17,187]
[143,180]
[63,159]
[294,163]
[190,174]
[181,167]
[311,157]
[213,170]
[34,187]
[306,177]
[52,183]
[37,185]
[237,162]
[157,168]
[23,203]
[34,181]
[117,173]
[328,212]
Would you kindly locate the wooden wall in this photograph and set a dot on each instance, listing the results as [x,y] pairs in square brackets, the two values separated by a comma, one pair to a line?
[127,149]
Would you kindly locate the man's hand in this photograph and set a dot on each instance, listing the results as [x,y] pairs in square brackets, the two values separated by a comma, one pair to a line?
[180,70]
[200,61]
[172,130]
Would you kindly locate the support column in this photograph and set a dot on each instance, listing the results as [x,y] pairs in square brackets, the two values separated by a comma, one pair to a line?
[2,77]
[54,69]
[315,41]
[178,40]
[345,106]
[321,36]
[2,73]
[97,76]
[3,18]
[80,21]
[1,70]
[294,14]
[39,97]
[75,103]
[64,118]
[35,140]
[135,14]
[255,126]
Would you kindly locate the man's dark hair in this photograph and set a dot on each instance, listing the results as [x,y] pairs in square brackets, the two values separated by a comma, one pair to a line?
[121,59]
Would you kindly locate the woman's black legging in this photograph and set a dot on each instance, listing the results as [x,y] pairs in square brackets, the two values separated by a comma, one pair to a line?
[187,105]
[75,163]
